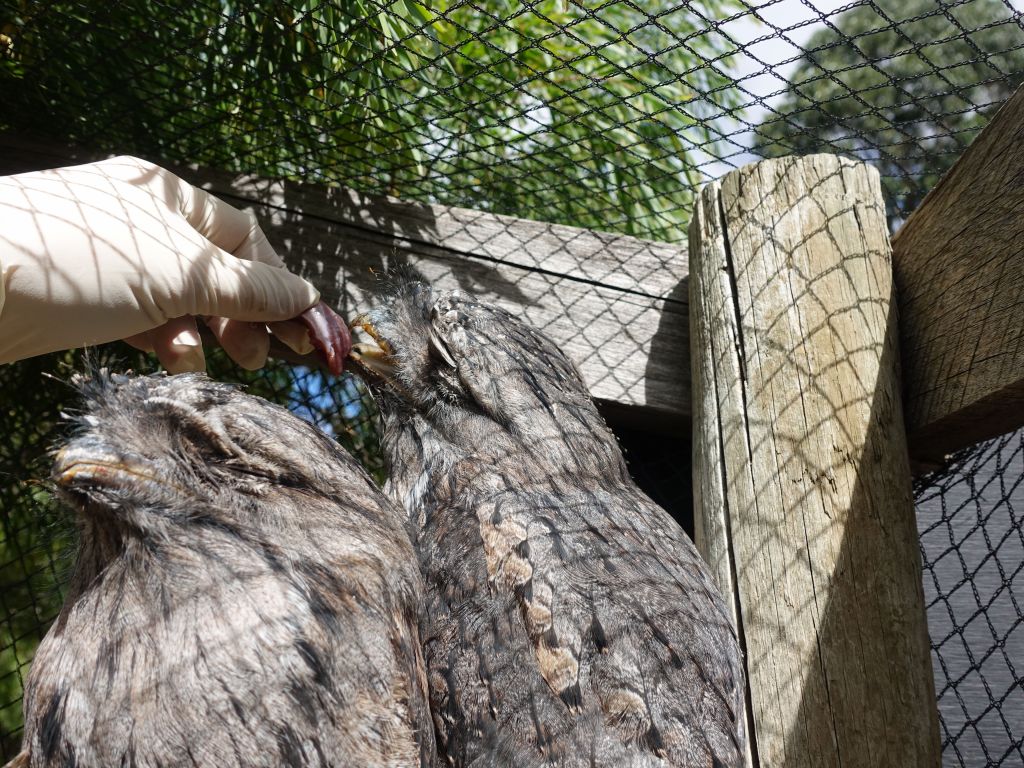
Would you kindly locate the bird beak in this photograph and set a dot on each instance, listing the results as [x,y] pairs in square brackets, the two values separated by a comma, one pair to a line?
[373,359]
[376,358]
[86,463]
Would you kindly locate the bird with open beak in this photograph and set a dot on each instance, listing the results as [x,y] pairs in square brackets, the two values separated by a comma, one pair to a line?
[570,621]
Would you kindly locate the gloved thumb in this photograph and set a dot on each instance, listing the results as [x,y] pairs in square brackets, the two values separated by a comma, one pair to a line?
[223,285]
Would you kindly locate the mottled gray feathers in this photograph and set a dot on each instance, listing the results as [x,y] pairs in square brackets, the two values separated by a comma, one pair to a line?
[244,595]
[570,621]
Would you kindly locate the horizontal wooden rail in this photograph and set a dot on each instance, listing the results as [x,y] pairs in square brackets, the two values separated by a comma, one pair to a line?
[959,269]
[616,304]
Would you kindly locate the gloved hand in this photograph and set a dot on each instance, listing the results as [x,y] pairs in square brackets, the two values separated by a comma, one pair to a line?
[124,249]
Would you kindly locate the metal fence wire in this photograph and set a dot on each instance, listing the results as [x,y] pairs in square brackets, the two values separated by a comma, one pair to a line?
[606,115]
[971,521]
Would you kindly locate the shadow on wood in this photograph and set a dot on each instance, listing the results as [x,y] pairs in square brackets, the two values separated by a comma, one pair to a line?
[602,297]
[959,266]
[801,473]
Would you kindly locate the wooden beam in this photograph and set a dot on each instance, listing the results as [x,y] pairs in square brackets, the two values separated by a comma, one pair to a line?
[616,304]
[959,266]
[801,478]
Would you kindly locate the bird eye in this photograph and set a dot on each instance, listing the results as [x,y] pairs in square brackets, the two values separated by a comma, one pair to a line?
[439,348]
[189,424]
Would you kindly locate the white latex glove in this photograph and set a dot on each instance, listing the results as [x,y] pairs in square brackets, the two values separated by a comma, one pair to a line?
[124,249]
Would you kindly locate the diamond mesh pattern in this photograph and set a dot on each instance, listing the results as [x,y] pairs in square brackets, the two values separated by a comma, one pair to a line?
[605,115]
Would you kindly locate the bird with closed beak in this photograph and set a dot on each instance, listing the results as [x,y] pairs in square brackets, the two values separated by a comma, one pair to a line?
[243,595]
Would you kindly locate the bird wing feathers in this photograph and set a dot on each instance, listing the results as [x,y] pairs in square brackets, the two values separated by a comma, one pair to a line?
[583,635]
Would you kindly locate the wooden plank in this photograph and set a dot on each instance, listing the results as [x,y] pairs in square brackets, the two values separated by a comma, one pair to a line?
[959,267]
[801,476]
[616,304]
[630,264]
[602,329]
[717,374]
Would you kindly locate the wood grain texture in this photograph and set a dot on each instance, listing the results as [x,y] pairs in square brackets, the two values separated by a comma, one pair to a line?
[616,304]
[959,267]
[801,475]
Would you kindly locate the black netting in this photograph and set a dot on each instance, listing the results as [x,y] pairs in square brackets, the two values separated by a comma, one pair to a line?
[605,115]
[37,537]
[971,520]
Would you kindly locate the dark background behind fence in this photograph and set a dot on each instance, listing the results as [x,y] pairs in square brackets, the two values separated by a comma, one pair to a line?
[605,115]
[971,519]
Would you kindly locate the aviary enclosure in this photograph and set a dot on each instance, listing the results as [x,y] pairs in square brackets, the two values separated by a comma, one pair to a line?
[730,215]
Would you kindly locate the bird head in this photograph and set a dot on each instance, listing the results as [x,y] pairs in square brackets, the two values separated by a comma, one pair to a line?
[153,454]
[450,358]
[430,349]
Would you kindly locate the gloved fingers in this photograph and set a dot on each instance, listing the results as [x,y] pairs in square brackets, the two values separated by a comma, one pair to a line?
[141,341]
[237,232]
[178,346]
[246,343]
[136,171]
[221,285]
[294,334]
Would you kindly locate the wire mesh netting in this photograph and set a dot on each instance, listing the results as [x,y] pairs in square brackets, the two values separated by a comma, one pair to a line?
[594,114]
[605,115]
[971,521]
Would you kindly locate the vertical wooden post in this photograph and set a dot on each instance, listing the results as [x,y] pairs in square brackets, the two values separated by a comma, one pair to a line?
[801,477]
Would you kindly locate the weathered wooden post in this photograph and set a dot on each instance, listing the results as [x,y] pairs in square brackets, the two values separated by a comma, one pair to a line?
[801,476]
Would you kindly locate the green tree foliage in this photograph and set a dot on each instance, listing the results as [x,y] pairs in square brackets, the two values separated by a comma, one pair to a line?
[551,109]
[33,540]
[904,84]
[586,118]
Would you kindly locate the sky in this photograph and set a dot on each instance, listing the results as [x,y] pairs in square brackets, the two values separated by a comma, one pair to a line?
[800,19]
[797,18]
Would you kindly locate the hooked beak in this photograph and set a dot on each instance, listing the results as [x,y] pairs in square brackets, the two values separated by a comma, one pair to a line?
[85,464]
[375,359]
